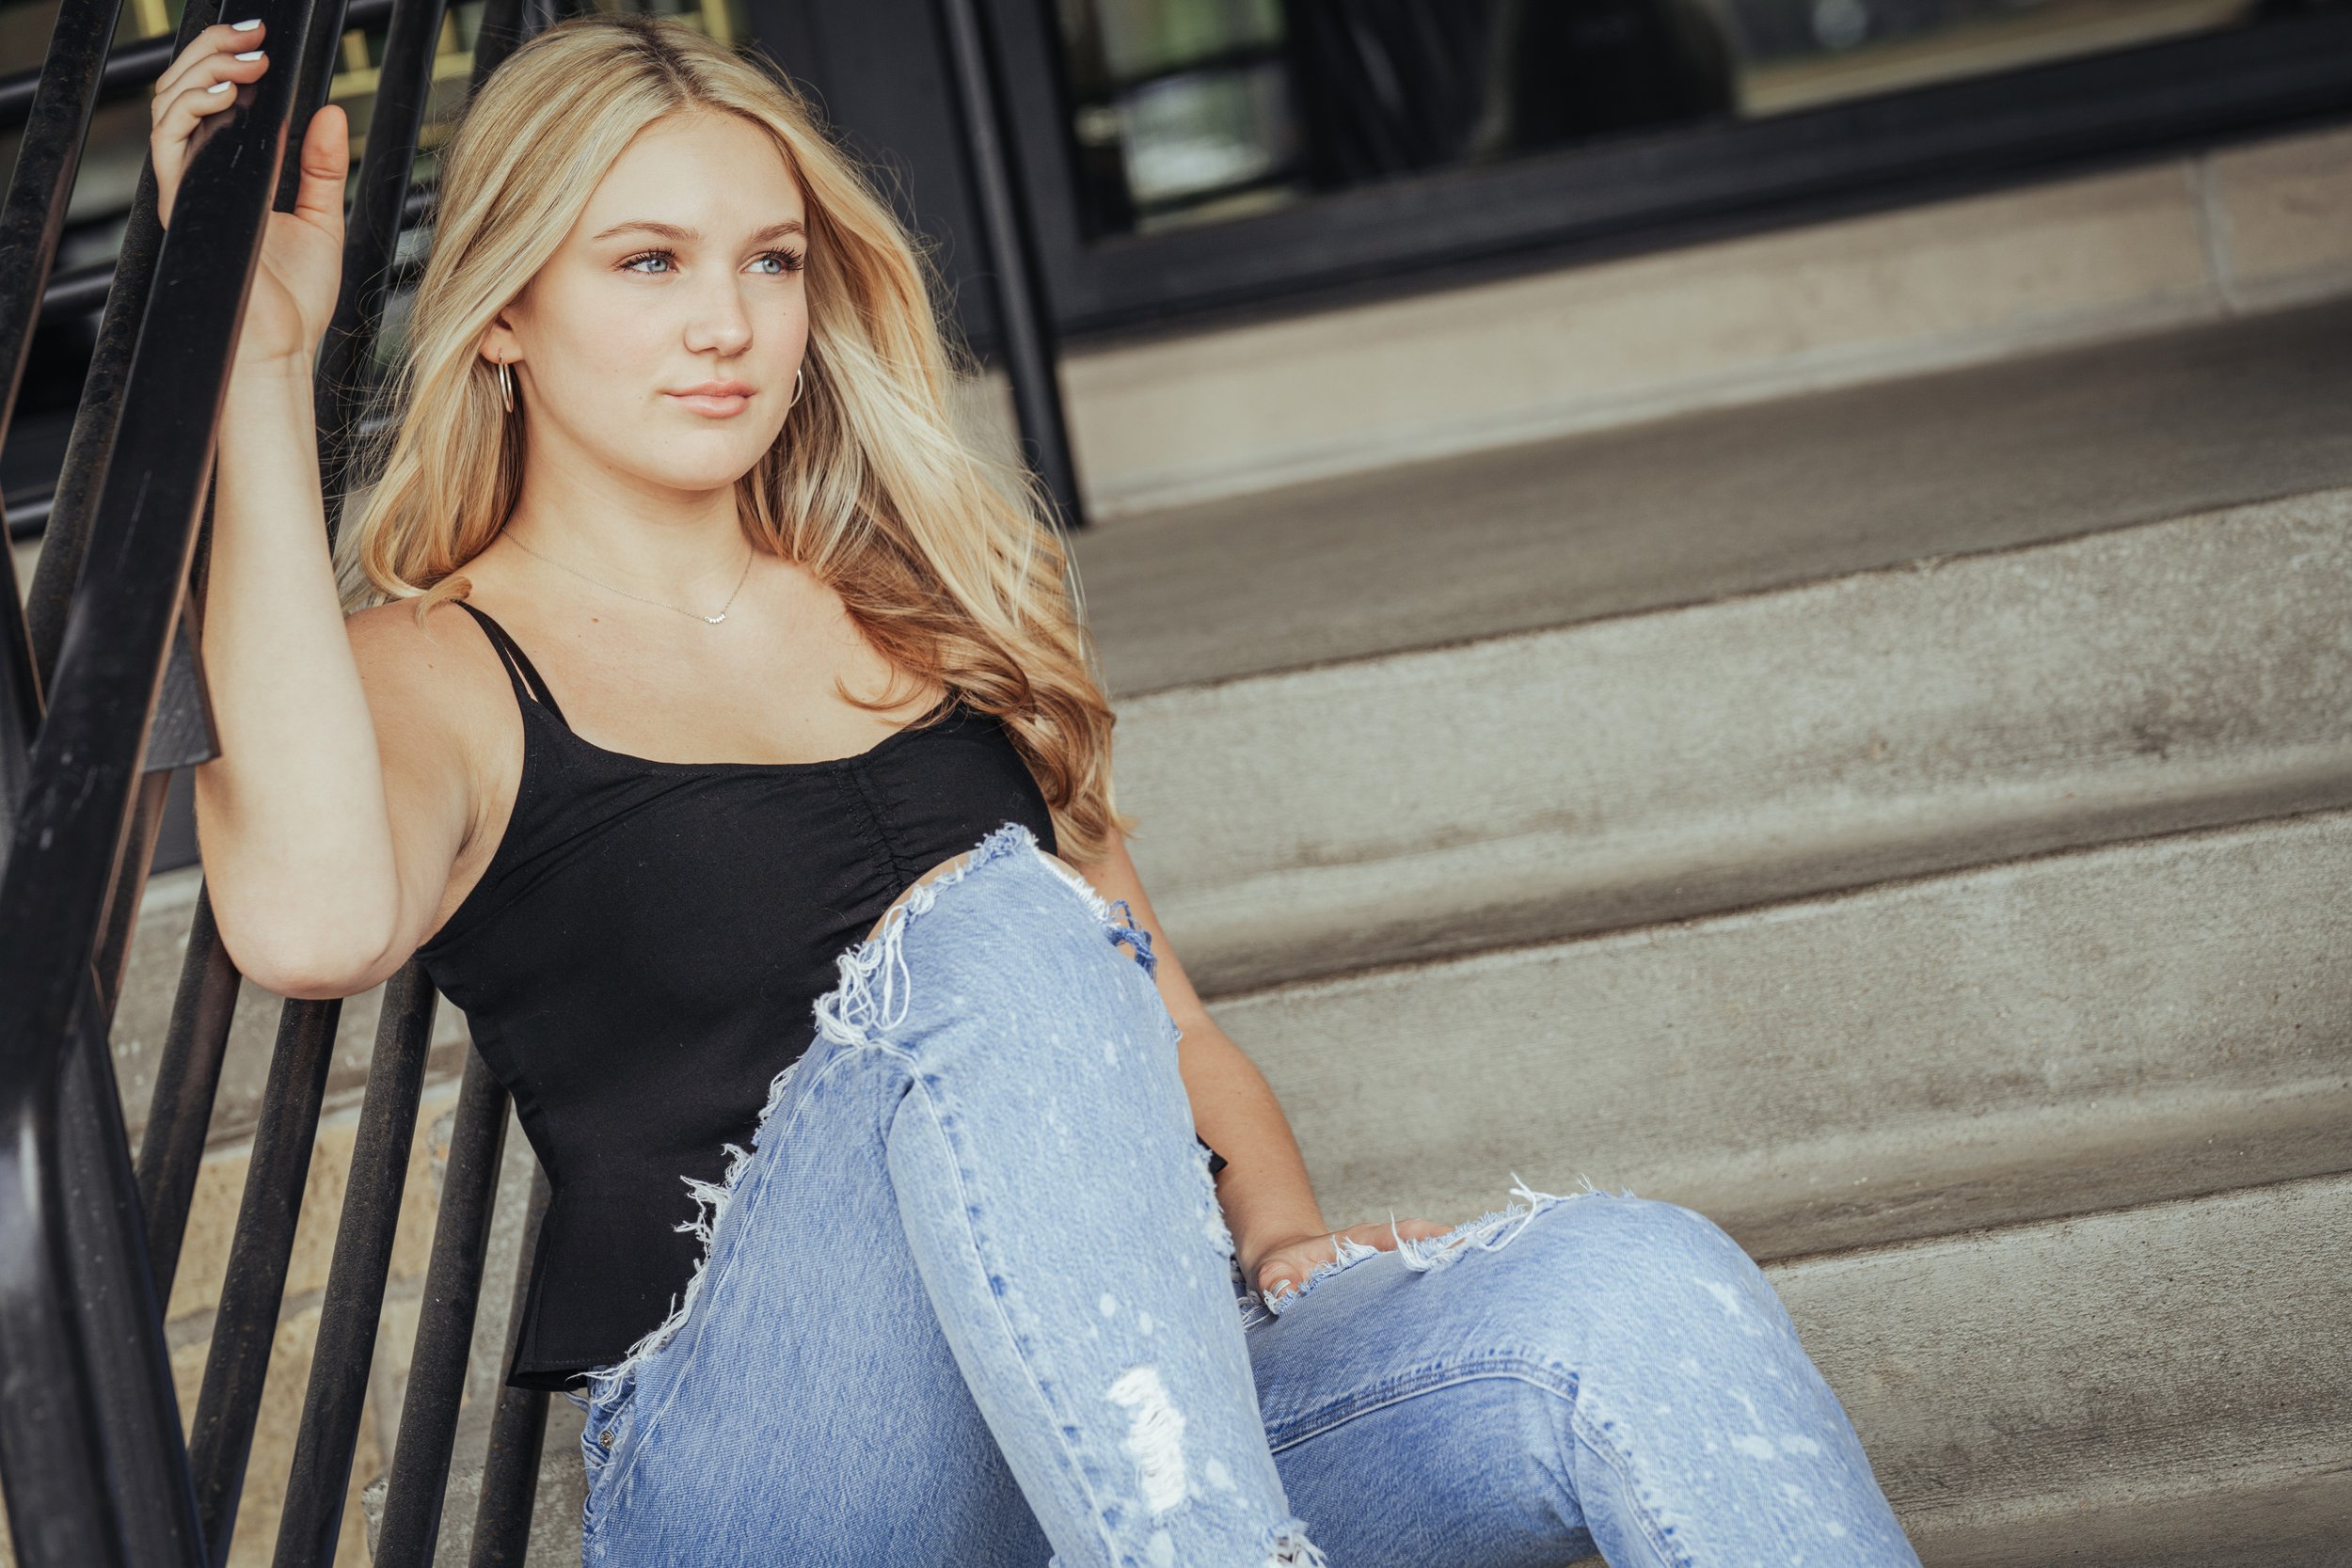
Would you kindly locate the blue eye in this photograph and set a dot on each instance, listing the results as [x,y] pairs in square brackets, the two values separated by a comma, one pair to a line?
[792,261]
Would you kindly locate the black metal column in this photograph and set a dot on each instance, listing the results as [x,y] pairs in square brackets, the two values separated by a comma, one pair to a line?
[1024,313]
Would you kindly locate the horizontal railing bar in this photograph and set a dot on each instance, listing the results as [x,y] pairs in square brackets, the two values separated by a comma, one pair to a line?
[328,1434]
[452,1293]
[78,291]
[30,519]
[137,65]
[83,289]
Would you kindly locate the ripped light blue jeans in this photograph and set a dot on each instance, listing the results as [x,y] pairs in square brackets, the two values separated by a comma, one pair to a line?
[970,1300]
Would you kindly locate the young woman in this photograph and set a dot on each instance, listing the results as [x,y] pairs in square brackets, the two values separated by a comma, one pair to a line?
[909,1208]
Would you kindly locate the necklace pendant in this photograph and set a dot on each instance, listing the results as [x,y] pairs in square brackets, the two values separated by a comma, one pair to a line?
[714,620]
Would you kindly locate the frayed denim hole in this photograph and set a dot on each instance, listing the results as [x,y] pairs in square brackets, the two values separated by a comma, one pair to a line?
[1493,1230]
[1489,1232]
[1287,1546]
[1117,919]
[1120,926]
[1130,932]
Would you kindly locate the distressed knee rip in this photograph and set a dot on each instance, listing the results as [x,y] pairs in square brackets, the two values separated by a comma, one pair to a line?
[1155,1443]
[1156,1437]
[1489,1232]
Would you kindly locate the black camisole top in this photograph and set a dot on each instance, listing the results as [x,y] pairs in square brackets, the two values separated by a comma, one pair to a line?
[644,954]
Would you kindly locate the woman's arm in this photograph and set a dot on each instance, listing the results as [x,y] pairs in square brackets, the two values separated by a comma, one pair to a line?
[1279,1230]
[323,868]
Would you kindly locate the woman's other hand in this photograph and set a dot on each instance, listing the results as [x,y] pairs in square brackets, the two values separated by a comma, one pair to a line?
[295,286]
[1291,1260]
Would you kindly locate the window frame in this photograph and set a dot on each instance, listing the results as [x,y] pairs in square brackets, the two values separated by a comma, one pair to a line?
[1652,189]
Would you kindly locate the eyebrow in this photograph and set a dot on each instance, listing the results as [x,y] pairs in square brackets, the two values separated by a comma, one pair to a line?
[688,236]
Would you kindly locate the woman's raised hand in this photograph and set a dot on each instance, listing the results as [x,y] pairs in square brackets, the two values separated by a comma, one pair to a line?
[295,288]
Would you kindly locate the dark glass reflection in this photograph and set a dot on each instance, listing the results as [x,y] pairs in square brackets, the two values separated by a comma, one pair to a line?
[1190,111]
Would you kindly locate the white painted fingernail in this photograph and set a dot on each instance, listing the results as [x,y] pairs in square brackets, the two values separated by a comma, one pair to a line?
[220,86]
[248,26]
[249,55]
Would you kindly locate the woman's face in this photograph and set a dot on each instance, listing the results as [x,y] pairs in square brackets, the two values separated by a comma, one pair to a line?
[684,271]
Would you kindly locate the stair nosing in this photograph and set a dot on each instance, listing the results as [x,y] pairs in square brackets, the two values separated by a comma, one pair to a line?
[1909,566]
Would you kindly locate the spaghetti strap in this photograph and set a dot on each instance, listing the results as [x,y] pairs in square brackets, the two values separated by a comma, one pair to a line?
[519,670]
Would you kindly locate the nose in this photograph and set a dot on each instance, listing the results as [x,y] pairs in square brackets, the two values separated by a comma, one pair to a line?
[718,319]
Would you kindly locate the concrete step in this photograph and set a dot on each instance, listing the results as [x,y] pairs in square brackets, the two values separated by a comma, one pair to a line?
[2151,1388]
[2169,1385]
[2134,1023]
[1649,767]
[1709,505]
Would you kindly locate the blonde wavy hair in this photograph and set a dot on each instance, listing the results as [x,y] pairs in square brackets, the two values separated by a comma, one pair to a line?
[941,553]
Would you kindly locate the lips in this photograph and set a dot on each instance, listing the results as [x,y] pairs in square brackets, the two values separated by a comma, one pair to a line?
[718,398]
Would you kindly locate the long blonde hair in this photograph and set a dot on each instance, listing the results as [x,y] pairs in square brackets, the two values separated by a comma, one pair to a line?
[941,553]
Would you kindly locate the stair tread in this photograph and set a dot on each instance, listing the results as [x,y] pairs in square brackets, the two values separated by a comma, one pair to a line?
[2151,1366]
[1720,502]
[2159,679]
[2135,1023]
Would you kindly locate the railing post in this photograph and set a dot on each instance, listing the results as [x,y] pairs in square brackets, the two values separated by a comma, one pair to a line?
[370,1223]
[1024,317]
[452,1291]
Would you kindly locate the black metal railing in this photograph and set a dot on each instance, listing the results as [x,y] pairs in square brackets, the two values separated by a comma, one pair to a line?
[102,677]
[101,697]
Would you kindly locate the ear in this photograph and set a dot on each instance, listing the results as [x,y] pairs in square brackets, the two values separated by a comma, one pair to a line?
[499,341]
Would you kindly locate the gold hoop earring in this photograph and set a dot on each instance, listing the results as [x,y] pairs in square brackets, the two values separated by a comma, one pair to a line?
[796,392]
[506,386]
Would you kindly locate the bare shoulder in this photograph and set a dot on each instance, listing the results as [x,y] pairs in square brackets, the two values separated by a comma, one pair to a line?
[438,690]
[441,661]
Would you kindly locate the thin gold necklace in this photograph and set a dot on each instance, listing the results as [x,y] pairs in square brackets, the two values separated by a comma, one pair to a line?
[707,620]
